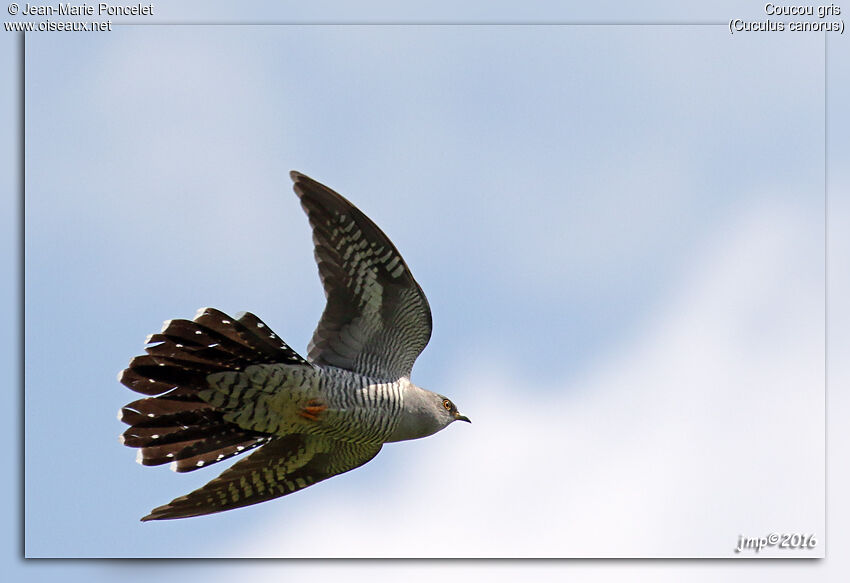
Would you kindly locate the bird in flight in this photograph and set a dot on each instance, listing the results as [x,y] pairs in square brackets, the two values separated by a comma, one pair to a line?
[221,386]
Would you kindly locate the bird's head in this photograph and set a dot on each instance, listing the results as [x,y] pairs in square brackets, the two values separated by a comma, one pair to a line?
[449,410]
[424,413]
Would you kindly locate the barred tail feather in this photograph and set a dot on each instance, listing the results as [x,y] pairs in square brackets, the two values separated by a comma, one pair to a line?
[174,424]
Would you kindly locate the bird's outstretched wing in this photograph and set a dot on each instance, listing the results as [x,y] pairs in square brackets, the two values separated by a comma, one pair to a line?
[377,320]
[282,466]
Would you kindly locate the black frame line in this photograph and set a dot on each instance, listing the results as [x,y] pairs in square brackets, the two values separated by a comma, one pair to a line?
[21,267]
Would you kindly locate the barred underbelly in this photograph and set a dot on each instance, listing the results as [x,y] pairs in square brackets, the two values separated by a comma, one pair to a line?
[360,410]
[281,399]
[263,397]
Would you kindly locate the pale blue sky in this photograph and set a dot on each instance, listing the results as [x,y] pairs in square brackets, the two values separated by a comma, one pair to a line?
[594,213]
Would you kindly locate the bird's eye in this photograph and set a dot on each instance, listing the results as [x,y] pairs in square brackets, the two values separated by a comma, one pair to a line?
[447,404]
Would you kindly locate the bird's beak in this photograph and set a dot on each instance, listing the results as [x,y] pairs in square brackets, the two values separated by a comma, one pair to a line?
[459,417]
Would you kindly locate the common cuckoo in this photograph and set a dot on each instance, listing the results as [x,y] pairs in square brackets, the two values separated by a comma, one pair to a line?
[221,386]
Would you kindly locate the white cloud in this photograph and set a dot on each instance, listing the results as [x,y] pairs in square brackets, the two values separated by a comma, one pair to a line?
[709,427]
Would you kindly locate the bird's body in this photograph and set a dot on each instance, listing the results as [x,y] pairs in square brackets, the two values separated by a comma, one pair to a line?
[280,399]
[223,386]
